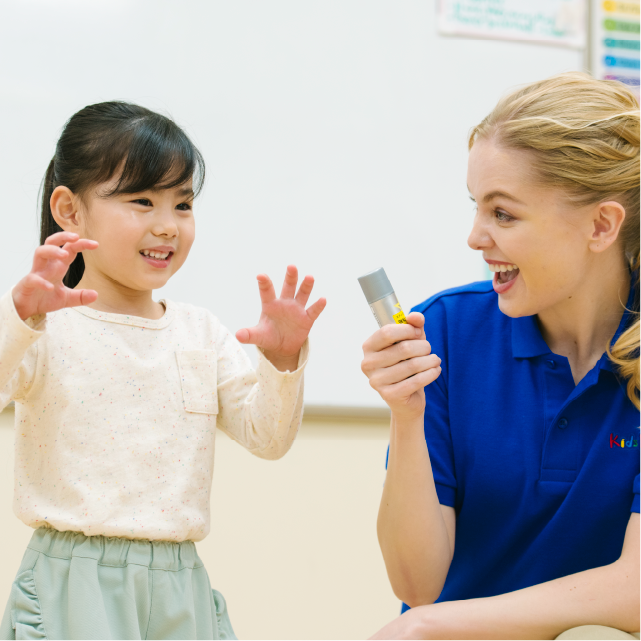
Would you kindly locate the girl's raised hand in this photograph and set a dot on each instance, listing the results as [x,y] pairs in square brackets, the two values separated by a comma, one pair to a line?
[284,322]
[42,290]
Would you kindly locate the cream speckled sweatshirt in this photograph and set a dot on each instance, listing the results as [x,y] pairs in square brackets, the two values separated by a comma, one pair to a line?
[116,416]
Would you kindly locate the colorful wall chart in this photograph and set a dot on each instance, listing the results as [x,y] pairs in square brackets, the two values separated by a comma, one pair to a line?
[556,22]
[615,41]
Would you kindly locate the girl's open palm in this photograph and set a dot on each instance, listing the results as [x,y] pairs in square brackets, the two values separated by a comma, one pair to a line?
[284,322]
[42,290]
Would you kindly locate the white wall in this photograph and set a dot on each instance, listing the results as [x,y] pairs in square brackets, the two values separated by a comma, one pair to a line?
[293,543]
[334,133]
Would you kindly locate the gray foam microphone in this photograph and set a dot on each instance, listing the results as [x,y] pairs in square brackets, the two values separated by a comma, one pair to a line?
[381,298]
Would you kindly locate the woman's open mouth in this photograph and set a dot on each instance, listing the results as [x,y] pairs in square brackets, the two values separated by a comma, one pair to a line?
[505,276]
[156,258]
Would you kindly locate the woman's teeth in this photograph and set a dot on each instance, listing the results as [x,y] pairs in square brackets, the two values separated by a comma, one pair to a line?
[501,268]
[152,254]
[505,273]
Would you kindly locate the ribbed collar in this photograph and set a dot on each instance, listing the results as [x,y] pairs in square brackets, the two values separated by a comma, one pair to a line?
[135,321]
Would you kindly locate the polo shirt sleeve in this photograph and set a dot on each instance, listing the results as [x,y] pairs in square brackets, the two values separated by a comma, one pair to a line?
[436,420]
[636,501]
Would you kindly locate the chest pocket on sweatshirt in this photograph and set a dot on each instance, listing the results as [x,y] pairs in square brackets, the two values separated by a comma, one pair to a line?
[198,379]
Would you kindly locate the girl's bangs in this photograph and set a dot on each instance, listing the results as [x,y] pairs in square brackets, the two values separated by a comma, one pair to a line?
[157,154]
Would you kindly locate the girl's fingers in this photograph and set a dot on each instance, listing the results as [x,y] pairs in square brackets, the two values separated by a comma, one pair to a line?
[74,248]
[60,238]
[250,336]
[77,297]
[305,290]
[314,311]
[45,253]
[289,284]
[33,282]
[265,289]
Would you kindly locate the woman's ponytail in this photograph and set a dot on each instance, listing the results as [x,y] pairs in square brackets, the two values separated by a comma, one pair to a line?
[625,352]
[49,226]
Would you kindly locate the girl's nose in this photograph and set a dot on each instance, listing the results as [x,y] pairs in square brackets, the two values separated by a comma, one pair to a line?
[479,237]
[165,225]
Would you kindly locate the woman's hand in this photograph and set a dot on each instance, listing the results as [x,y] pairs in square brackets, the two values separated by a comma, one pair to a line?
[284,322]
[42,290]
[413,624]
[399,364]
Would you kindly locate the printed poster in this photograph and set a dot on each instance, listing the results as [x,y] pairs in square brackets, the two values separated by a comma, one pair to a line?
[553,22]
[615,41]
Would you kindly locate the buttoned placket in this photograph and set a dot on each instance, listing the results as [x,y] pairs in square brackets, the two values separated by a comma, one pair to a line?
[559,459]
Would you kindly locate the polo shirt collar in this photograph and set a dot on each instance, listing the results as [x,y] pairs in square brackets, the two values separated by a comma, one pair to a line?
[527,341]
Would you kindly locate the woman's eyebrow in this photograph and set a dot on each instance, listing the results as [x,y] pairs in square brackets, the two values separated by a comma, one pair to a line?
[501,194]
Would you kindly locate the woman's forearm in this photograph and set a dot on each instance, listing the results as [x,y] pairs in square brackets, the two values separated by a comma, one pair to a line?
[607,595]
[411,529]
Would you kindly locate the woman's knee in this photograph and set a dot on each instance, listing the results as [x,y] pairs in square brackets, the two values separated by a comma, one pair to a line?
[596,632]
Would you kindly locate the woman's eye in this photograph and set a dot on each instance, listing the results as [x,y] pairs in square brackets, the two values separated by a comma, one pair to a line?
[184,206]
[145,202]
[502,217]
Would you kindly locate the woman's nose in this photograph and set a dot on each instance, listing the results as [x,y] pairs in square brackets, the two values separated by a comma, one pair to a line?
[479,237]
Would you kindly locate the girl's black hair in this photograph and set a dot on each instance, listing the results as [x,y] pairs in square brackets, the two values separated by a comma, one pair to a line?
[153,151]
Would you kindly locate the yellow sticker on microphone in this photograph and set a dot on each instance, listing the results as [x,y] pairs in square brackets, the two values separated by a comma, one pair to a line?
[399,318]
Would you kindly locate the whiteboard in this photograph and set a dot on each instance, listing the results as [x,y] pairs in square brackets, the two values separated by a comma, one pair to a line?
[334,133]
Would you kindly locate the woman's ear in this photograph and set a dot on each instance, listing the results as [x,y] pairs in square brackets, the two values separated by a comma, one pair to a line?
[606,225]
[64,209]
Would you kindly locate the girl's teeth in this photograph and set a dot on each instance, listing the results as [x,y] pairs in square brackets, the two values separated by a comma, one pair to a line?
[157,255]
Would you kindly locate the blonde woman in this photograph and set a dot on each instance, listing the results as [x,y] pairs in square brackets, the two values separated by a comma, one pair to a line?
[511,505]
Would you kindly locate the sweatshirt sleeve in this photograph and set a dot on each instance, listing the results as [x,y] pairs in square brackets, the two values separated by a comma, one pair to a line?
[18,351]
[260,409]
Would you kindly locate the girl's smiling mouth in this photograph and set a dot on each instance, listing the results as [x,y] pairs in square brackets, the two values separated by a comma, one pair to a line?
[157,256]
[505,275]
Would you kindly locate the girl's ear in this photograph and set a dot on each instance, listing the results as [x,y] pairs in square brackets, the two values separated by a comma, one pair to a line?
[64,209]
[606,225]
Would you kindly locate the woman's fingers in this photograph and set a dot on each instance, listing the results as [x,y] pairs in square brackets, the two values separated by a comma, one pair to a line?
[398,394]
[403,370]
[406,388]
[395,354]
[390,334]
[418,321]
[289,284]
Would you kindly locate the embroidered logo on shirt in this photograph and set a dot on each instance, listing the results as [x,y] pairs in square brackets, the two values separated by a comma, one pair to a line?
[631,442]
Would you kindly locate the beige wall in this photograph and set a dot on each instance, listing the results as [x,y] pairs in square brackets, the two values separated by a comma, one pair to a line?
[293,543]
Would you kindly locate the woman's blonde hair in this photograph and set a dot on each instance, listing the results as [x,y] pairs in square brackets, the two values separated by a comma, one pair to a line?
[584,135]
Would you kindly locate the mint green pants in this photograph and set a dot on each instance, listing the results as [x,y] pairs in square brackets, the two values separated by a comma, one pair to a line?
[70,586]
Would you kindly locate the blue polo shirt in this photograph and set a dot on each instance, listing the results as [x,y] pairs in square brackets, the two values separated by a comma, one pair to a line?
[542,474]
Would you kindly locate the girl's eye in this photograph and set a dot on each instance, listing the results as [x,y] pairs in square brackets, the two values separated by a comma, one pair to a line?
[145,202]
[184,206]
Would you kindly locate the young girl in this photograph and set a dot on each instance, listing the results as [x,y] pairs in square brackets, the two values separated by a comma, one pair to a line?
[511,504]
[118,396]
